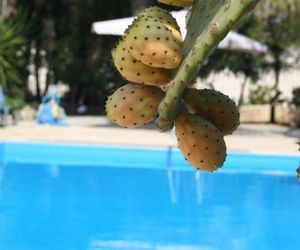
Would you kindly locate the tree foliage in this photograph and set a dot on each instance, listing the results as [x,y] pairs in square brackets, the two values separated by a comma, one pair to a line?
[74,55]
[14,33]
[249,65]
[296,96]
[276,23]
[12,38]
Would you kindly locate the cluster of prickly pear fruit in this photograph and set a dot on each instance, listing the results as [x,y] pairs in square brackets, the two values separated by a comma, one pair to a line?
[152,53]
[144,56]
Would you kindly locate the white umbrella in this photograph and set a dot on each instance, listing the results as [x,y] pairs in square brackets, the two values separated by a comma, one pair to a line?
[233,41]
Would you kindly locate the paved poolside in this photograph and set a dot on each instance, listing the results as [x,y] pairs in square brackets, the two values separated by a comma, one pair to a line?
[98,130]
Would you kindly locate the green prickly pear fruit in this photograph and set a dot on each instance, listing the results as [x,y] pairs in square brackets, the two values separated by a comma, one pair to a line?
[152,43]
[164,17]
[178,3]
[133,105]
[135,71]
[215,107]
[200,142]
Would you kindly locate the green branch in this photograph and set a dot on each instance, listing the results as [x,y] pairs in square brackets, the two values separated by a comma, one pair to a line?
[209,23]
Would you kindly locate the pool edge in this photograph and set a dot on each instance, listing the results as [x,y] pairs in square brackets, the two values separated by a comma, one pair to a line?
[133,156]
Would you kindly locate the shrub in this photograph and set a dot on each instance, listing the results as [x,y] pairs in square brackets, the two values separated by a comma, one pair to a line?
[15,98]
[296,96]
[261,95]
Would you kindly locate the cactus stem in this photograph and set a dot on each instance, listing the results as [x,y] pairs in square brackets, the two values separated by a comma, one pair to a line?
[209,23]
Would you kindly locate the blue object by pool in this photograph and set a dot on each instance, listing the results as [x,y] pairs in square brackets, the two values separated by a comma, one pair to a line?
[64,197]
[50,111]
[2,99]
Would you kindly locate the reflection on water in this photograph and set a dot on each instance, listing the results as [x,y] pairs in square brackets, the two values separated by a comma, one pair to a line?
[88,208]
[199,187]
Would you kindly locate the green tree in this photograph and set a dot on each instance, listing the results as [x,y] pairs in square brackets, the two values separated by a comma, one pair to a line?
[74,55]
[11,41]
[82,59]
[276,23]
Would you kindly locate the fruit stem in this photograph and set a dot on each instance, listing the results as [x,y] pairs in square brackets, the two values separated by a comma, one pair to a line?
[209,23]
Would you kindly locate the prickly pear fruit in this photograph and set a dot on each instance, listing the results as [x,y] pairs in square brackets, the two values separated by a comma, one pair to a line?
[178,3]
[135,71]
[215,107]
[152,43]
[200,142]
[164,17]
[133,105]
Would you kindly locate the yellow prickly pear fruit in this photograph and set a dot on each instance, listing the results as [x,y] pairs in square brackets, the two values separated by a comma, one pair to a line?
[135,71]
[133,105]
[152,43]
[164,17]
[215,107]
[178,3]
[200,142]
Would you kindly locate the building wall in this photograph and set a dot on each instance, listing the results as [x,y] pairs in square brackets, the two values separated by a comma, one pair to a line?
[230,84]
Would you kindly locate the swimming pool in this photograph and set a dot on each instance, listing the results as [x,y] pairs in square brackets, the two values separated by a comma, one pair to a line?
[83,197]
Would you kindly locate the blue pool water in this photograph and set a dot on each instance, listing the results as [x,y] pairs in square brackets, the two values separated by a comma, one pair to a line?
[102,198]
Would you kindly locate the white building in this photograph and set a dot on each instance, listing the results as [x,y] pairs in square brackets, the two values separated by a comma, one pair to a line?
[231,84]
